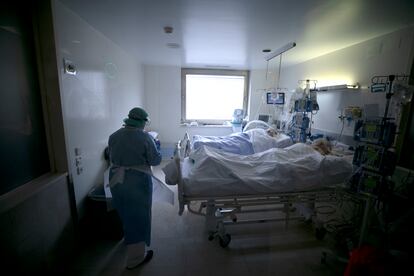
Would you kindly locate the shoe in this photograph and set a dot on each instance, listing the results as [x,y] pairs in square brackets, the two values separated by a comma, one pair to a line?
[147,258]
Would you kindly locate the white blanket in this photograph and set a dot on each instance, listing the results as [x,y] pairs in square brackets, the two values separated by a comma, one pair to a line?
[211,172]
[262,141]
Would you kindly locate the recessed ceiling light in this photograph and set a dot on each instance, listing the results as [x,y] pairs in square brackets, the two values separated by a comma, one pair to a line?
[173,45]
[266,50]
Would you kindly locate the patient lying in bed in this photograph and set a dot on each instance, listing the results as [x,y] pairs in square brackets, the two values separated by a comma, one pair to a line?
[272,132]
[322,146]
[244,143]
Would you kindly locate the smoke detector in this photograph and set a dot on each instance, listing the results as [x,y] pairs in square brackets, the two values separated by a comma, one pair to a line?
[168,29]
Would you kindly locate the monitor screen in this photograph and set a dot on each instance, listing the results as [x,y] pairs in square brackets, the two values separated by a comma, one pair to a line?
[275,98]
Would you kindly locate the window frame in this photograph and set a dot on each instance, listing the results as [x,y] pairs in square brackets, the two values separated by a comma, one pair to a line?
[213,72]
[48,77]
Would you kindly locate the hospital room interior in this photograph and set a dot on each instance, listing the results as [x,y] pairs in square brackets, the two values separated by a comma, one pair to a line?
[276,137]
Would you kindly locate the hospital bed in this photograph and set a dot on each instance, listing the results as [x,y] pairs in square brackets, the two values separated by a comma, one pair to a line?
[222,186]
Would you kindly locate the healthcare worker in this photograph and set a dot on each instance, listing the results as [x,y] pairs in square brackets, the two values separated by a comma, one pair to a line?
[132,152]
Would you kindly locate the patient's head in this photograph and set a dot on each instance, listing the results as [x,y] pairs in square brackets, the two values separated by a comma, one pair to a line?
[271,132]
[322,145]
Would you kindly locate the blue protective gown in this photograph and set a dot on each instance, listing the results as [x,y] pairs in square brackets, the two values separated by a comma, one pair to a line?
[133,198]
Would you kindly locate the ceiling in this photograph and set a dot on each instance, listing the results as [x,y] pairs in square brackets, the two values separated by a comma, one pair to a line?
[233,33]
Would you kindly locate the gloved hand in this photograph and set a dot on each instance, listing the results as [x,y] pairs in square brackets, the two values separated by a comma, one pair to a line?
[158,144]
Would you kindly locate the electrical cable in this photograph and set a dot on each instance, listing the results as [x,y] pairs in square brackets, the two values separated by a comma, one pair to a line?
[259,106]
[340,134]
[280,68]
[310,123]
[345,221]
[267,69]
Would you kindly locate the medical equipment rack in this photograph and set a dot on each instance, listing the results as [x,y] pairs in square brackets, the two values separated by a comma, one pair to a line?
[374,154]
[300,126]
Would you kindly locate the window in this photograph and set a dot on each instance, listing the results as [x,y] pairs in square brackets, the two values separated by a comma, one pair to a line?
[211,96]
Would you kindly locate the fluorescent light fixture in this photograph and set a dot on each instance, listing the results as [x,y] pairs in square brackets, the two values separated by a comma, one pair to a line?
[338,87]
[279,51]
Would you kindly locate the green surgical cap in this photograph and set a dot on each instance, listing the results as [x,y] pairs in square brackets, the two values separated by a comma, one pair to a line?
[137,117]
[138,114]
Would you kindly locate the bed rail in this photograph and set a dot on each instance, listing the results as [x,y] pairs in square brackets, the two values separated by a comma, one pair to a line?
[222,212]
[183,147]
[181,151]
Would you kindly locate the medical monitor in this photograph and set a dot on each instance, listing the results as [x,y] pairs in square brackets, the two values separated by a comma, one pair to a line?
[275,98]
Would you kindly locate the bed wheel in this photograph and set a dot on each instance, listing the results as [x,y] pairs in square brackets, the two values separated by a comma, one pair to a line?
[320,233]
[224,241]
[211,237]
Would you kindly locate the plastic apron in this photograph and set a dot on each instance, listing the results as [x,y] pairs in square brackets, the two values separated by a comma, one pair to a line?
[132,189]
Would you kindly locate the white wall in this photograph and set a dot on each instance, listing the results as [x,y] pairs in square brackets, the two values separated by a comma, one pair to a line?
[107,85]
[388,54]
[163,102]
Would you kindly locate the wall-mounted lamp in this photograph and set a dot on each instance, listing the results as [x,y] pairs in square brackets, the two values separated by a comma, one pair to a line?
[338,87]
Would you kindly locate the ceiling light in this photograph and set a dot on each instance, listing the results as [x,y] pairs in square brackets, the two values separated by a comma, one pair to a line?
[339,87]
[279,51]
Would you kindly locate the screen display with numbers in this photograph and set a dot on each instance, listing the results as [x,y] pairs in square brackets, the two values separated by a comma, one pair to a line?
[275,98]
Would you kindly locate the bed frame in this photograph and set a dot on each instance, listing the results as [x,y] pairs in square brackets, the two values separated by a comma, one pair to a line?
[221,211]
